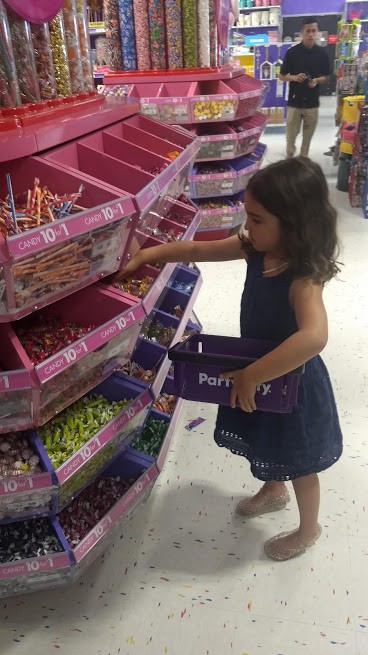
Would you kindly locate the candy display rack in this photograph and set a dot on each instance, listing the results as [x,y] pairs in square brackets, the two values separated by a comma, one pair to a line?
[130,173]
[219,105]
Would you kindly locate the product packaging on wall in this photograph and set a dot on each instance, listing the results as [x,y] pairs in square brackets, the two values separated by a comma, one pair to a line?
[267,64]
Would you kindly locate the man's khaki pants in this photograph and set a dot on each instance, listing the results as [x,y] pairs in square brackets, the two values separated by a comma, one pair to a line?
[294,120]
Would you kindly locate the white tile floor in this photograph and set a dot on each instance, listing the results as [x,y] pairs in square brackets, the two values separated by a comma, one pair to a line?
[189,577]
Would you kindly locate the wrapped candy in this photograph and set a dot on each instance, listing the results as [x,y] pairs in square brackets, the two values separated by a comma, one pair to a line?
[44,64]
[59,55]
[142,41]
[213,33]
[112,25]
[203,11]
[84,44]
[72,45]
[9,89]
[174,37]
[128,49]
[21,38]
[190,27]
[156,13]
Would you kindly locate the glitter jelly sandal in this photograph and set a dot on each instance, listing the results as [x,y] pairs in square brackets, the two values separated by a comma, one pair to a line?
[276,549]
[253,509]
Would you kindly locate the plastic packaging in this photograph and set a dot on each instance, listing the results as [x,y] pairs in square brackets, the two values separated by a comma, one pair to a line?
[72,44]
[203,33]
[174,37]
[84,44]
[111,12]
[190,27]
[142,40]
[156,12]
[9,89]
[59,55]
[21,37]
[128,48]
[43,58]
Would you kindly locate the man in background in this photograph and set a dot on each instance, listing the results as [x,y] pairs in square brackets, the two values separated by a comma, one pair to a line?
[306,66]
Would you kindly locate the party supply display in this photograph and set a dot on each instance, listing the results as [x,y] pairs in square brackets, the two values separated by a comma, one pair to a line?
[128,48]
[44,62]
[84,45]
[156,13]
[21,38]
[73,46]
[142,38]
[190,30]
[59,55]
[174,36]
[203,10]
[112,24]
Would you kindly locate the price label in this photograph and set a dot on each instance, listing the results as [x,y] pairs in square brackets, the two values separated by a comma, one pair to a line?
[124,321]
[12,486]
[40,565]
[149,109]
[4,382]
[50,234]
[72,353]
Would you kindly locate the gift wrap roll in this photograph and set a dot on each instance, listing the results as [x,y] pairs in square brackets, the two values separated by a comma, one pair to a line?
[174,36]
[111,13]
[21,38]
[84,45]
[128,49]
[142,39]
[9,89]
[190,27]
[59,56]
[156,12]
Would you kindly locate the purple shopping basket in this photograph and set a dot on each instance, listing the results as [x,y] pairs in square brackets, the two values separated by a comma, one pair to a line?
[199,361]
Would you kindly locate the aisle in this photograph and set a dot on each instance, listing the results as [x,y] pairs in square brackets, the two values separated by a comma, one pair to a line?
[188,577]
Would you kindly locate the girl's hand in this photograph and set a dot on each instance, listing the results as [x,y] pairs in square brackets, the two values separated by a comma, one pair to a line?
[130,267]
[244,389]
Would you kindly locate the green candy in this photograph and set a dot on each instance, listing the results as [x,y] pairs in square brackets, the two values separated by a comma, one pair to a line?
[66,433]
[151,439]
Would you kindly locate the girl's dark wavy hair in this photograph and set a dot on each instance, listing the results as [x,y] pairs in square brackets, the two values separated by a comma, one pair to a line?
[296,192]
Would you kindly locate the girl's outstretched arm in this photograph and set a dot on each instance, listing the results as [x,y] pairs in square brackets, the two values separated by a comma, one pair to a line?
[309,340]
[186,251]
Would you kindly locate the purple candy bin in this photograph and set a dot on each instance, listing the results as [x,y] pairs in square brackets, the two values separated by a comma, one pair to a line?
[36,573]
[92,457]
[199,361]
[129,465]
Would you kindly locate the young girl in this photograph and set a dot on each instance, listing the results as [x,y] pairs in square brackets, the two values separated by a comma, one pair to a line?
[290,249]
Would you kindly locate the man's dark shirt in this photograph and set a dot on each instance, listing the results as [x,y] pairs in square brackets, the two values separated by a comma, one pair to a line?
[314,62]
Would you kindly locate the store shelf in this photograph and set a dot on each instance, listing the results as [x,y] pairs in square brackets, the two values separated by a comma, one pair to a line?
[254,27]
[246,9]
[48,133]
[182,75]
